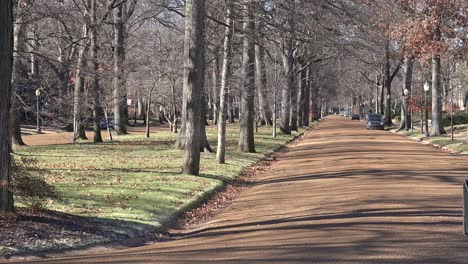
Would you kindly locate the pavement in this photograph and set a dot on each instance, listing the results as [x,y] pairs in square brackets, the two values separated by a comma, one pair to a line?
[343,194]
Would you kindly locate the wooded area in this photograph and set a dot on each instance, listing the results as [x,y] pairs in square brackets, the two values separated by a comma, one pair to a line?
[189,63]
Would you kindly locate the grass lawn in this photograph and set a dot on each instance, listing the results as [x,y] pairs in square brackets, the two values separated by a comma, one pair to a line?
[458,145]
[137,181]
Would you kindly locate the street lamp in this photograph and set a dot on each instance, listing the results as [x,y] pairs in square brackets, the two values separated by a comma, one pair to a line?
[426,89]
[408,115]
[38,121]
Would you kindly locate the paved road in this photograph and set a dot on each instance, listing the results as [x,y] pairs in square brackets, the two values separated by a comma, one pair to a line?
[342,195]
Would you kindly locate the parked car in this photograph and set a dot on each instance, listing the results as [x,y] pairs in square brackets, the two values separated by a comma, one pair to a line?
[110,120]
[355,117]
[375,122]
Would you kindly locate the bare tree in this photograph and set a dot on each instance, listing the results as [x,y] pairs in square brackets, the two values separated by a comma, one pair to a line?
[225,75]
[6,57]
[121,16]
[246,138]
[18,45]
[79,111]
[194,74]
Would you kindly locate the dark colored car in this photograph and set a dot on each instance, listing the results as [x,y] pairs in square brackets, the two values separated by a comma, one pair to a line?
[375,122]
[355,117]
[110,120]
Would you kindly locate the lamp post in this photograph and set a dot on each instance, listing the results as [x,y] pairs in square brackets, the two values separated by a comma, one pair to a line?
[426,89]
[38,114]
[408,116]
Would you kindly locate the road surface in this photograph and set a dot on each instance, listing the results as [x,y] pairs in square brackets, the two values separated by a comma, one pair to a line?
[341,195]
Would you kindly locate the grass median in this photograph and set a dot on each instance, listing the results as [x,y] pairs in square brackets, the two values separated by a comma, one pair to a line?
[137,181]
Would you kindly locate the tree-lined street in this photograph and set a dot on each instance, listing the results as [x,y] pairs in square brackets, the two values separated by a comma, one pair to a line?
[342,194]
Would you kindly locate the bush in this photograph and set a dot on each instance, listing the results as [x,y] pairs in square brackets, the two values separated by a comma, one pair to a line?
[29,190]
[397,118]
[459,118]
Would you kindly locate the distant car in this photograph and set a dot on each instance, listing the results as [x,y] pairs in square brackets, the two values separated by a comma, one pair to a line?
[375,122]
[355,117]
[110,120]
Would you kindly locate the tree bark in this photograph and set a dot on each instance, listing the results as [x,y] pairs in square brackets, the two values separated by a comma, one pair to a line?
[204,144]
[97,108]
[436,124]
[216,86]
[6,59]
[294,98]
[79,111]
[194,64]
[231,110]
[306,97]
[246,137]
[286,90]
[261,84]
[119,87]
[147,116]
[387,84]
[288,64]
[407,81]
[18,44]
[225,75]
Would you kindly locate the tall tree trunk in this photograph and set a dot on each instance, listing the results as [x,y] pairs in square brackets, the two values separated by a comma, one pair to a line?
[306,97]
[288,62]
[147,116]
[436,124]
[246,137]
[120,89]
[382,96]
[216,86]
[97,108]
[204,144]
[231,113]
[301,85]
[387,86]
[139,105]
[225,75]
[407,81]
[286,90]
[174,108]
[293,99]
[79,111]
[194,74]
[314,93]
[261,84]
[18,44]
[6,59]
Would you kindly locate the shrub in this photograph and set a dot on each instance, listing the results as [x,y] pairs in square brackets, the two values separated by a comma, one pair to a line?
[459,118]
[397,118]
[29,190]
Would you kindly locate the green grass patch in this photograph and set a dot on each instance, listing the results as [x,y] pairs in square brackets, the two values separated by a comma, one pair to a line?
[138,180]
[412,133]
[457,145]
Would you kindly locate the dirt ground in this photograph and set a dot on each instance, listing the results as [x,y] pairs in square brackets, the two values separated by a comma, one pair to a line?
[341,195]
